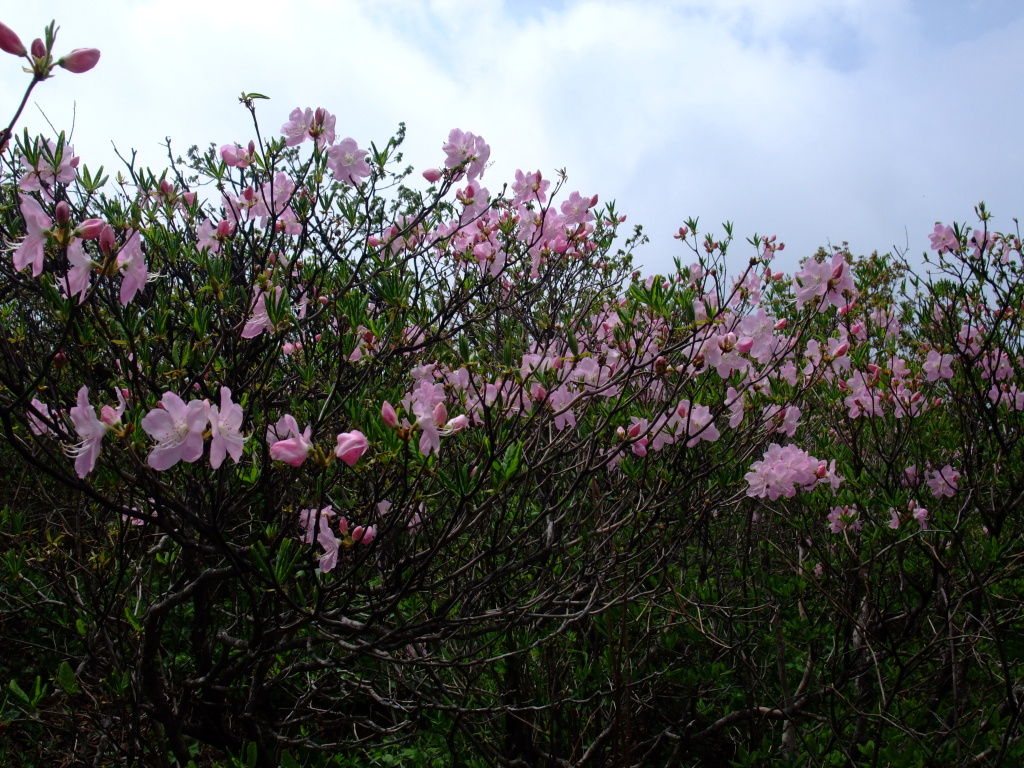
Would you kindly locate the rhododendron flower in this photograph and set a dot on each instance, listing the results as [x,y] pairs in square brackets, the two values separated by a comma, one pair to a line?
[938,366]
[308,521]
[132,262]
[351,445]
[943,239]
[317,126]
[466,147]
[48,171]
[330,543]
[844,518]
[35,424]
[348,162]
[178,429]
[31,248]
[287,444]
[76,282]
[943,482]
[225,422]
[91,429]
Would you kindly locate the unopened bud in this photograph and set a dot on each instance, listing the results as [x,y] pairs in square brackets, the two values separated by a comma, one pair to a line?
[661,365]
[63,213]
[38,49]
[432,175]
[107,239]
[781,324]
[80,60]
[842,349]
[90,229]
[744,345]
[10,42]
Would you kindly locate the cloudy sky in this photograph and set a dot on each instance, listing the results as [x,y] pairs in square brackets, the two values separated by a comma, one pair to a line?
[816,120]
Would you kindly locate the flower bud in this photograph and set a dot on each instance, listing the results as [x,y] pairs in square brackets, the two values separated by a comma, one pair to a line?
[842,349]
[38,49]
[744,345]
[781,325]
[440,414]
[387,413]
[432,175]
[90,229]
[107,240]
[80,60]
[62,214]
[10,42]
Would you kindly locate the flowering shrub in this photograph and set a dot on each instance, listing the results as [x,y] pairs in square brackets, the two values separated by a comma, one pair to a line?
[485,481]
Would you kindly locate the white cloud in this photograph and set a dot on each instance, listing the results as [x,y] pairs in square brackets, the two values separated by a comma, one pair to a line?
[817,121]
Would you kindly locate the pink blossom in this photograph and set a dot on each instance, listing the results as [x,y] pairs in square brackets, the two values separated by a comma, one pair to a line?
[31,248]
[330,543]
[317,126]
[466,148]
[844,518]
[351,445]
[225,423]
[348,162]
[37,425]
[938,366]
[432,175]
[943,239]
[308,521]
[91,429]
[76,282]
[943,482]
[287,444]
[132,262]
[178,429]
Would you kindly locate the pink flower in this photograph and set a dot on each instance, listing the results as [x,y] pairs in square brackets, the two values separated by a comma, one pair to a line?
[943,482]
[31,248]
[91,429]
[225,423]
[844,518]
[943,239]
[37,425]
[80,60]
[387,412]
[348,162]
[308,520]
[938,366]
[351,445]
[317,126]
[178,429]
[330,543]
[132,262]
[287,444]
[76,282]
[463,148]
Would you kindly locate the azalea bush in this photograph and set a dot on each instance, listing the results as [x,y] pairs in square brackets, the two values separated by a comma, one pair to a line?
[308,460]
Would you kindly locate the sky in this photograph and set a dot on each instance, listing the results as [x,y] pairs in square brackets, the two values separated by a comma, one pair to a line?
[818,121]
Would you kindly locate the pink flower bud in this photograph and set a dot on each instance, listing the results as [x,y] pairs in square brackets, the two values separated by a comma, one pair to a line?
[745,345]
[38,49]
[90,229]
[620,432]
[593,201]
[778,275]
[225,229]
[62,214]
[440,414]
[373,241]
[351,445]
[189,198]
[458,424]
[107,239]
[432,175]
[109,416]
[837,270]
[363,535]
[781,325]
[387,412]
[857,328]
[10,42]
[80,60]
[842,349]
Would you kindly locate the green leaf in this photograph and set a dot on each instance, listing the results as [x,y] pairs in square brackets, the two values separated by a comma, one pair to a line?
[14,688]
[66,678]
